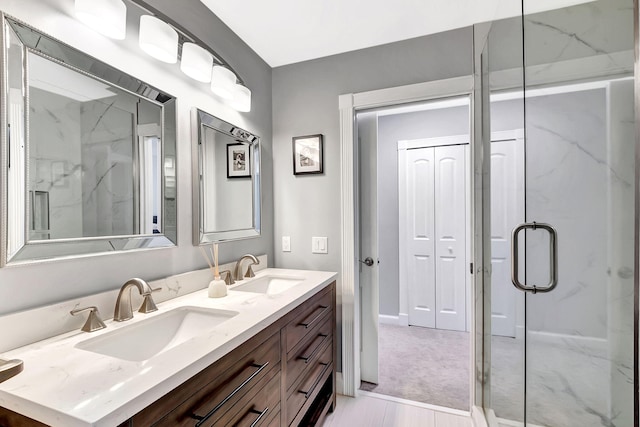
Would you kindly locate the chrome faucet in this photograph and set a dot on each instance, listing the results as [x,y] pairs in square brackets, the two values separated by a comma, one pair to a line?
[123,310]
[237,271]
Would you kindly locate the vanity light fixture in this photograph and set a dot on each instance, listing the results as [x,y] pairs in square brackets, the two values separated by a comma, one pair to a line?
[164,39]
[158,39]
[223,82]
[196,62]
[241,98]
[108,17]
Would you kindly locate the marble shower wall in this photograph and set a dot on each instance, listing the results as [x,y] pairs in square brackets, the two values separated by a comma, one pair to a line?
[107,158]
[55,161]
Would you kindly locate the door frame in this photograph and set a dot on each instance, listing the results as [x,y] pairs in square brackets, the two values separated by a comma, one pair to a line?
[349,104]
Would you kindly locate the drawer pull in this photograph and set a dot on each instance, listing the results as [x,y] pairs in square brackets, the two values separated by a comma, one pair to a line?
[306,323]
[315,350]
[317,373]
[203,418]
[260,416]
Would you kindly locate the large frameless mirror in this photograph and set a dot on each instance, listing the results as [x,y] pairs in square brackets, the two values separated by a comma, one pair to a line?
[226,181]
[89,153]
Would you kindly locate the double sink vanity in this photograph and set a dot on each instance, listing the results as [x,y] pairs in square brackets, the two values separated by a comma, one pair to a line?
[262,355]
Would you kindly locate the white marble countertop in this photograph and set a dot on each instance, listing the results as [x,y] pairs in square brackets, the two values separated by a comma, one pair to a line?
[62,385]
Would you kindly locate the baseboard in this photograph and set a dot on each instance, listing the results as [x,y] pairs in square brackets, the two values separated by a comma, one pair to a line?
[339,383]
[477,417]
[403,319]
[388,319]
[519,332]
[400,320]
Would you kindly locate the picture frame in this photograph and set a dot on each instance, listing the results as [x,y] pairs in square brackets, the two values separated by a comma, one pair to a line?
[308,152]
[238,161]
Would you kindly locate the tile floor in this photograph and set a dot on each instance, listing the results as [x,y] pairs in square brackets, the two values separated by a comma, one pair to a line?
[370,411]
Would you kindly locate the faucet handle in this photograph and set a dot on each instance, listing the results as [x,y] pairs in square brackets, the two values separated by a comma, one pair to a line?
[148,305]
[94,322]
[228,278]
[249,272]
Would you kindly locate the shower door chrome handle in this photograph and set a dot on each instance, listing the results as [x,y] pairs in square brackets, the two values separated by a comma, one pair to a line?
[553,254]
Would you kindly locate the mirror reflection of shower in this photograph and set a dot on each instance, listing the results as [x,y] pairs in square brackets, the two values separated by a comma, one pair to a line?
[94,157]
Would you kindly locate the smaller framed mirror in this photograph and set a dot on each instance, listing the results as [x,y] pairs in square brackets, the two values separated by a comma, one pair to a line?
[226,181]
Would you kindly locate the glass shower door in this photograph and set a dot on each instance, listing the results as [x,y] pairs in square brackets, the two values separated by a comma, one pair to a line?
[562,201]
[579,171]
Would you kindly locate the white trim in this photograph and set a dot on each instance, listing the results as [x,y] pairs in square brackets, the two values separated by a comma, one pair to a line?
[349,289]
[477,417]
[447,88]
[436,408]
[339,383]
[348,105]
[409,144]
[401,319]
[388,320]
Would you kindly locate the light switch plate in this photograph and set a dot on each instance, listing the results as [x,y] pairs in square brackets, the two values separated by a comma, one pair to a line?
[319,245]
[286,244]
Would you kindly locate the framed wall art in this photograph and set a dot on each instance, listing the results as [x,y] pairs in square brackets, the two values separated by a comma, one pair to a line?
[307,154]
[238,161]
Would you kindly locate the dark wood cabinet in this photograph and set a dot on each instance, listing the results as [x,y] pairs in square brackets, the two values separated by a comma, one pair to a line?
[282,376]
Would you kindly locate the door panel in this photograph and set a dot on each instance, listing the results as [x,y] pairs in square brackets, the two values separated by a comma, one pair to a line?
[507,211]
[368,238]
[420,242]
[450,235]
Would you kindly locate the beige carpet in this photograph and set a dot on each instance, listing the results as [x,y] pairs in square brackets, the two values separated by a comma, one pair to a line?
[424,365]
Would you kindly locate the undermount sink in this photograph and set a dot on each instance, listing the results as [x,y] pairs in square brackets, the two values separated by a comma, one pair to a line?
[268,284]
[147,338]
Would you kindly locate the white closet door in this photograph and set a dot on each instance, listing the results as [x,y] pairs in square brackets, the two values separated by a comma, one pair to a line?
[450,235]
[420,243]
[507,211]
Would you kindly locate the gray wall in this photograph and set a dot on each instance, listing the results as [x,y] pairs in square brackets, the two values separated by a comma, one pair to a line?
[391,129]
[305,101]
[23,287]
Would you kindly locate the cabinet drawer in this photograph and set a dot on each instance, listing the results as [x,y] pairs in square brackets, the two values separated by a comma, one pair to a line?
[306,389]
[306,354]
[258,409]
[217,389]
[306,318]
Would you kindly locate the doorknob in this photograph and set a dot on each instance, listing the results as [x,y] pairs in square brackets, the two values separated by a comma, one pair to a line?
[368,261]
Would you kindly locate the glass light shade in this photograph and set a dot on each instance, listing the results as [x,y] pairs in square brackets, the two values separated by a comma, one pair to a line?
[196,62]
[158,39]
[241,98]
[108,17]
[223,82]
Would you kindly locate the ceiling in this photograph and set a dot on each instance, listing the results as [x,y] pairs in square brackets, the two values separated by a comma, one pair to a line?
[288,31]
